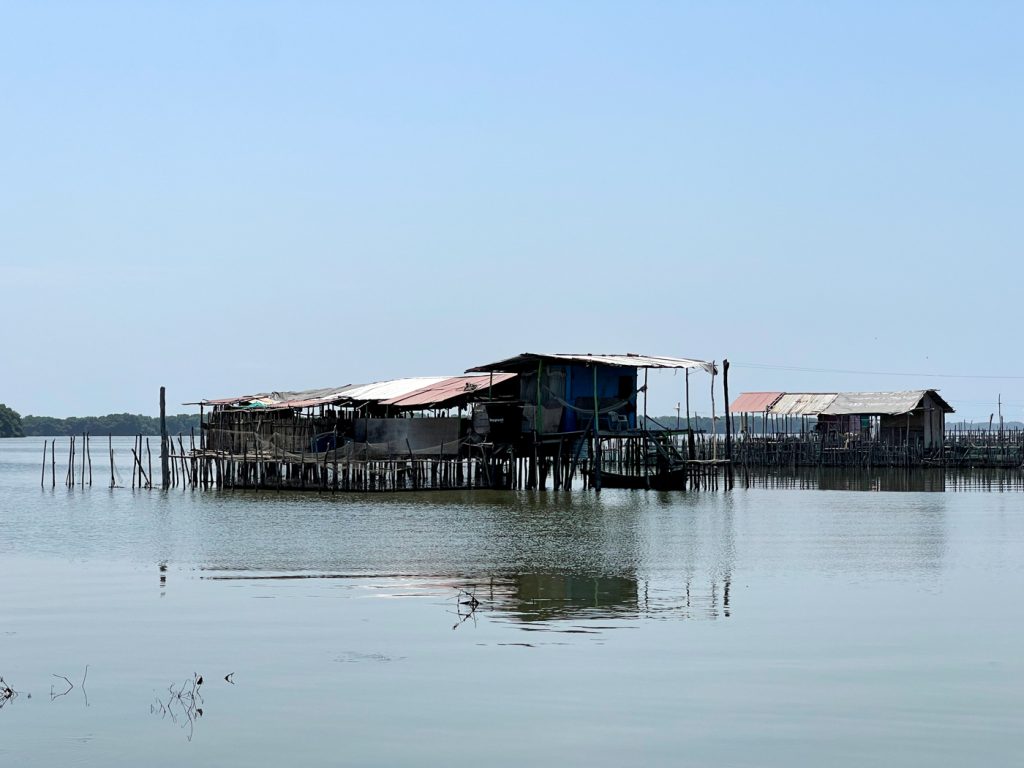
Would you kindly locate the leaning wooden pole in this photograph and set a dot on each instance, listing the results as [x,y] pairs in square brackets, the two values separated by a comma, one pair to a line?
[165,471]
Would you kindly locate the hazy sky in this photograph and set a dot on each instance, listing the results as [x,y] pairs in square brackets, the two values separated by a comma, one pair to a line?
[226,197]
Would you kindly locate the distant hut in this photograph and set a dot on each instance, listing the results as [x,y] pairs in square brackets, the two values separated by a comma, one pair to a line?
[917,417]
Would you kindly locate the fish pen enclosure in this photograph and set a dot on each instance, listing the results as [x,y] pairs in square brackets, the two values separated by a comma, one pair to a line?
[864,429]
[960,448]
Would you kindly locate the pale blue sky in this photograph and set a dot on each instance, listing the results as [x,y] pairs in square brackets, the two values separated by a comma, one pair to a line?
[225,197]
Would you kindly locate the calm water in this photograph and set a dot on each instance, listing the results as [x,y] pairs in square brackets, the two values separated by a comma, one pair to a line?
[770,625]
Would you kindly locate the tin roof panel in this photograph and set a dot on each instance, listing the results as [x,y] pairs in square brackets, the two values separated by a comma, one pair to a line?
[447,390]
[802,403]
[754,402]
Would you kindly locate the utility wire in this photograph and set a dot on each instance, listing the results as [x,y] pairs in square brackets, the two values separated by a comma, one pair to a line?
[764,366]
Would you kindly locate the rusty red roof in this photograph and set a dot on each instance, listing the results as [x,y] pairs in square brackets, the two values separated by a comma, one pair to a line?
[754,402]
[436,395]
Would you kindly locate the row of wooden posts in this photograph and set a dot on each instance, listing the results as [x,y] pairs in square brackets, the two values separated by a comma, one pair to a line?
[959,450]
[189,466]
[78,470]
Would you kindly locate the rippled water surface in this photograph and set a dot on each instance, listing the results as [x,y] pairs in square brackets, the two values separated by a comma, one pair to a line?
[775,624]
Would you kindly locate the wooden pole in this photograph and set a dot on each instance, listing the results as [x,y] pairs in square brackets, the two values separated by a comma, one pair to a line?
[110,448]
[691,448]
[596,458]
[714,428]
[138,462]
[42,478]
[728,418]
[165,472]
[53,463]
[647,479]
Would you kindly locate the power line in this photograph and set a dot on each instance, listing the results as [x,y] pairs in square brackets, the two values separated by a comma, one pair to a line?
[799,369]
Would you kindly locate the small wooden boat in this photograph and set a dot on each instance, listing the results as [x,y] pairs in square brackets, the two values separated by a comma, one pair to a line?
[666,480]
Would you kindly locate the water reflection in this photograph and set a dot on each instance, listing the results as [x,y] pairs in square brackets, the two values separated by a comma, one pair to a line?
[887,479]
[7,693]
[554,599]
[182,705]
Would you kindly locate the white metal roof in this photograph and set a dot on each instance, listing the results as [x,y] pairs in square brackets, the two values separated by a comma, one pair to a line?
[881,403]
[802,403]
[628,360]
[388,390]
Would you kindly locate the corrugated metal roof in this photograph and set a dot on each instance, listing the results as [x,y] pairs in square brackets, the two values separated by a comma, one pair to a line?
[881,403]
[754,402]
[630,360]
[448,390]
[802,403]
[394,388]
[297,399]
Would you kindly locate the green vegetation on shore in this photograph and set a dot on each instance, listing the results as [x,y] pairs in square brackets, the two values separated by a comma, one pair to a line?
[10,422]
[121,424]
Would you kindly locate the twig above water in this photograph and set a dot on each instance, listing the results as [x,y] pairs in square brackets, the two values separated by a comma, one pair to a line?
[7,693]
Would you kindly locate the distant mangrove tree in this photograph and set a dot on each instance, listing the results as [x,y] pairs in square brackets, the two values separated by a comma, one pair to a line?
[10,422]
[112,424]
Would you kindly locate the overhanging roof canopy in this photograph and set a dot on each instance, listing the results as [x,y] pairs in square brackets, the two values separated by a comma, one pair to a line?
[529,360]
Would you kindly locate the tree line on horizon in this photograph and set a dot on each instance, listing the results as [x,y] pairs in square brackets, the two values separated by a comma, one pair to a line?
[117,424]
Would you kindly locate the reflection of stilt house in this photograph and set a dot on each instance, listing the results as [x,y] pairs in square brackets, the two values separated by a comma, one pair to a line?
[515,423]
